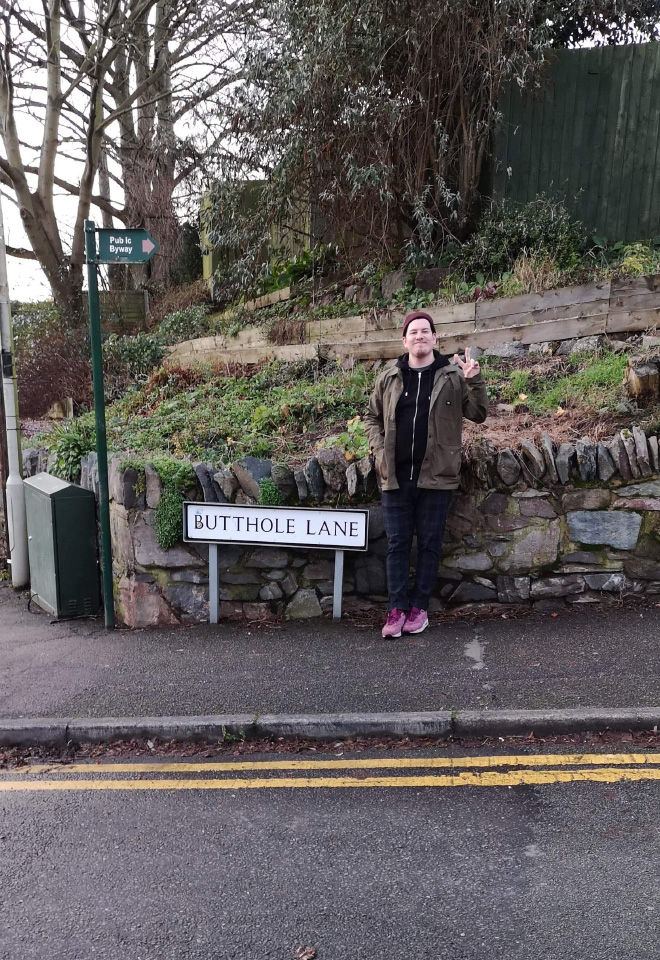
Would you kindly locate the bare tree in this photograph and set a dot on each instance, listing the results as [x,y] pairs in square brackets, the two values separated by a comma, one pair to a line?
[105,89]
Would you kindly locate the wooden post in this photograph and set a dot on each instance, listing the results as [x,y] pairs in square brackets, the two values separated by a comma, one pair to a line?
[642,381]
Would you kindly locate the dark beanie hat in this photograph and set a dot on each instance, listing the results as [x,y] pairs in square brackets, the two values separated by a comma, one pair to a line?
[417,315]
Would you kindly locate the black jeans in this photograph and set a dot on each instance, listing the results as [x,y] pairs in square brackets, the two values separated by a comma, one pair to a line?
[408,510]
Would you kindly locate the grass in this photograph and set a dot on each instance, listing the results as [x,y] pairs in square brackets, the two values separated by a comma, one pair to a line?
[579,381]
[283,411]
[280,410]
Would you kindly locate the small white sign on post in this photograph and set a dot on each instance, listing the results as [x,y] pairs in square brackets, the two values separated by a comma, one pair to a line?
[324,529]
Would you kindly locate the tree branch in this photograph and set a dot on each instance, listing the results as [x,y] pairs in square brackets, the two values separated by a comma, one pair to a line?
[49,141]
[74,191]
[20,252]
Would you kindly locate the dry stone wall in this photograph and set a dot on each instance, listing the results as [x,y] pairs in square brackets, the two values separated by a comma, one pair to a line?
[541,527]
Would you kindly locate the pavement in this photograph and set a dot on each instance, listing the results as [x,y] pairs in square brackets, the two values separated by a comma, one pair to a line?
[587,669]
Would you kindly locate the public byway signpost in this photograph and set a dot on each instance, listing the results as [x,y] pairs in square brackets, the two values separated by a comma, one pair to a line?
[125,246]
[114,246]
[325,529]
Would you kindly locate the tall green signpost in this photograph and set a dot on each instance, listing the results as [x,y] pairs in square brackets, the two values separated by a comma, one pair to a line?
[114,246]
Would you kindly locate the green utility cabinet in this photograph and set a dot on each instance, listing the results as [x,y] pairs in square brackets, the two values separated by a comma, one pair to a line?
[61,523]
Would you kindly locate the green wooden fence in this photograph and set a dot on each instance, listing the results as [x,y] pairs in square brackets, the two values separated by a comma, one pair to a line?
[122,311]
[589,135]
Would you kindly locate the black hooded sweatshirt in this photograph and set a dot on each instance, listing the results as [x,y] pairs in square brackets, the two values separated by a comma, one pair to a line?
[412,415]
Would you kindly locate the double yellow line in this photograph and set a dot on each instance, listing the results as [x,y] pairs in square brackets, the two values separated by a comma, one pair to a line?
[461,772]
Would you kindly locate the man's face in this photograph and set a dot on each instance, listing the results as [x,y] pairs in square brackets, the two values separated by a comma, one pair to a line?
[419,340]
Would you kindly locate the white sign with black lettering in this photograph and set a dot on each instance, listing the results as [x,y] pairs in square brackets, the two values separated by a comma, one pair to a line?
[327,529]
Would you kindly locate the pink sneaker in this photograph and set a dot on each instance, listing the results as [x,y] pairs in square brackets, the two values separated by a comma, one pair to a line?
[416,621]
[393,624]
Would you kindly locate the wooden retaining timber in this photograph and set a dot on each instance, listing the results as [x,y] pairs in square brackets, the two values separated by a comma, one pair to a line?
[277,296]
[244,355]
[620,306]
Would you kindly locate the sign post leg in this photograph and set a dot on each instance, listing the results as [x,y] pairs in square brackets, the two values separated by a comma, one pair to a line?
[99,412]
[213,583]
[338,585]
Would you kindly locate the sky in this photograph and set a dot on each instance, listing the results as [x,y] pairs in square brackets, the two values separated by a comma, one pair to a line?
[26,278]
[27,282]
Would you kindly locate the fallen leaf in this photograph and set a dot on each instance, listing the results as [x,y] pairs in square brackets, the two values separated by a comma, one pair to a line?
[304,953]
[522,396]
[560,411]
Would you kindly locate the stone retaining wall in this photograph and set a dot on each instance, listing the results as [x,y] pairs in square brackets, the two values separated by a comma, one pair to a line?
[539,527]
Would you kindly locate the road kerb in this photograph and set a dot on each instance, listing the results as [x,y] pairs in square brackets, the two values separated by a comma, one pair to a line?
[518,723]
[33,732]
[441,724]
[324,726]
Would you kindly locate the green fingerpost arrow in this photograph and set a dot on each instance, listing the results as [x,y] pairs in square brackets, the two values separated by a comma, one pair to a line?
[125,246]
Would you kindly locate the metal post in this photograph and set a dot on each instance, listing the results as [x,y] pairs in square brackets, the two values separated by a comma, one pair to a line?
[338,587]
[4,470]
[16,521]
[99,411]
[213,583]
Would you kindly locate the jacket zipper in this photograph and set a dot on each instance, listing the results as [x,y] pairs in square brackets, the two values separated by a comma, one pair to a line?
[412,458]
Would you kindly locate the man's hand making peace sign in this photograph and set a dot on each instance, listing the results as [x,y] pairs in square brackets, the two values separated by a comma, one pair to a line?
[469,366]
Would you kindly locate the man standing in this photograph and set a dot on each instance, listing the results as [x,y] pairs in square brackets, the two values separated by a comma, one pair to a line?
[414,423]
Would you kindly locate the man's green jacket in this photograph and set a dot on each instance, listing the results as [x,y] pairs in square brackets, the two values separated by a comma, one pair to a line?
[452,398]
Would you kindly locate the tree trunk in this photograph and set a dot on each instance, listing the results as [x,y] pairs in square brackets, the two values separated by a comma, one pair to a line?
[147,153]
[64,276]
[116,271]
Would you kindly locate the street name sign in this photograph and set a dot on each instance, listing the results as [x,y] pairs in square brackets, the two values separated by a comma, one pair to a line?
[125,246]
[329,529]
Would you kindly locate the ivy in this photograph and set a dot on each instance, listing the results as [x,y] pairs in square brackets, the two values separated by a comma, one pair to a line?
[269,495]
[177,475]
[169,518]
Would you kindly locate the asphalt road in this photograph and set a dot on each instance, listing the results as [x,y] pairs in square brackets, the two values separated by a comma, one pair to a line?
[582,658]
[565,871]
